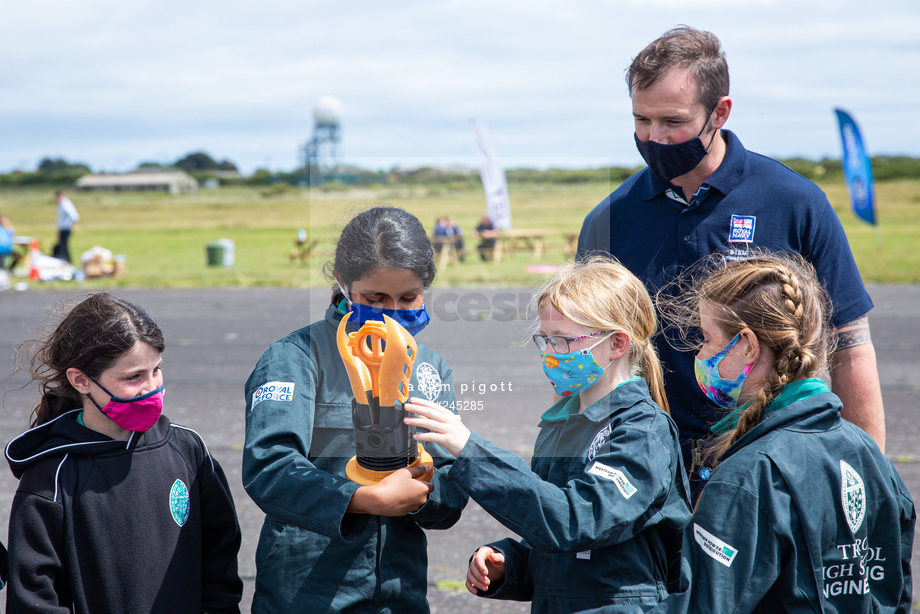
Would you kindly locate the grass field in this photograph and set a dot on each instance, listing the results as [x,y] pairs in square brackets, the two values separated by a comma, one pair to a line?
[164,237]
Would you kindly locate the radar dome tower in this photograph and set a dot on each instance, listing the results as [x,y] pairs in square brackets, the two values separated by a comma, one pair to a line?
[320,153]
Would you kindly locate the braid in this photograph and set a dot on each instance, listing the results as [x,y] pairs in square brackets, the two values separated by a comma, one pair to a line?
[751,416]
[792,294]
[801,360]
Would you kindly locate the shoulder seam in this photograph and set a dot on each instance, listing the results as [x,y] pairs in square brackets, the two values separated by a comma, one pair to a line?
[57,477]
[200,438]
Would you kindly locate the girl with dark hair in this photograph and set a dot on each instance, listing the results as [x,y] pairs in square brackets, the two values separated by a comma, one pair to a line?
[802,512]
[329,544]
[117,510]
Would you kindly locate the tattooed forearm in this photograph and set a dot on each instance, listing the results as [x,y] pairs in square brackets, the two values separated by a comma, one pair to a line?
[853,333]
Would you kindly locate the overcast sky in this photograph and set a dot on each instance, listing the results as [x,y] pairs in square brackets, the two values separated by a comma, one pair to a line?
[113,83]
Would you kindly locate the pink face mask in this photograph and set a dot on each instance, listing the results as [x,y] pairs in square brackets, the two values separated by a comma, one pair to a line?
[135,414]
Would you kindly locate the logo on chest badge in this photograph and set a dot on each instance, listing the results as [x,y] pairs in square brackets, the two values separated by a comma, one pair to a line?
[742,229]
[852,495]
[179,502]
[429,380]
[600,439]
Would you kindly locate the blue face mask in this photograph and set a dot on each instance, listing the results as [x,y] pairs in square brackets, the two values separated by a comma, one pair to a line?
[673,160]
[722,392]
[413,320]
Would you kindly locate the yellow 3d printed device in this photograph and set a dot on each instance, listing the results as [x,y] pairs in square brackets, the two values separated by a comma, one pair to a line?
[379,358]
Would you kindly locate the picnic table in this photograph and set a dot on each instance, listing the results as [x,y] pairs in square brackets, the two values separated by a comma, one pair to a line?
[512,240]
[446,250]
[571,244]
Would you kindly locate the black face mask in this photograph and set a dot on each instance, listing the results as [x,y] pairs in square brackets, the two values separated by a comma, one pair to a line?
[669,161]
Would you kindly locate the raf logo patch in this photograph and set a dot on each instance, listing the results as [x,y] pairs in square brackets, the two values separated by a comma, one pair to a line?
[273,391]
[852,495]
[429,380]
[742,229]
[179,502]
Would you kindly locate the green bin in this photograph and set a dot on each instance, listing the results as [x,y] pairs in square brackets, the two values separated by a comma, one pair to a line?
[220,253]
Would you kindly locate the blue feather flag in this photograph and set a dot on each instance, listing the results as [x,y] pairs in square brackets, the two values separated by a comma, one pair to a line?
[857,168]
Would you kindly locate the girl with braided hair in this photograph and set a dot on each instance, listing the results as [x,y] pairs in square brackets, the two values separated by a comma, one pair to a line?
[802,512]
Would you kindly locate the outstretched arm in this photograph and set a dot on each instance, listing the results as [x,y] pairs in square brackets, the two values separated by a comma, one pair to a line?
[629,473]
[447,500]
[854,378]
[444,426]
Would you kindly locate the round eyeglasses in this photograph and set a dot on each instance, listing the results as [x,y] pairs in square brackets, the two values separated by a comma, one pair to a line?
[559,343]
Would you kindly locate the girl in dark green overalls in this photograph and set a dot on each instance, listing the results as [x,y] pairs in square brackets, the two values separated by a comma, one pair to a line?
[602,506]
[803,513]
[329,544]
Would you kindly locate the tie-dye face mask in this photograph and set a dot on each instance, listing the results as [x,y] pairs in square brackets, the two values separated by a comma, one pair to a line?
[722,392]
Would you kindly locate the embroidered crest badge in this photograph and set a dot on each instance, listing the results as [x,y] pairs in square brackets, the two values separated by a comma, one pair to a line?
[852,495]
[600,439]
[179,502]
[429,380]
[742,229]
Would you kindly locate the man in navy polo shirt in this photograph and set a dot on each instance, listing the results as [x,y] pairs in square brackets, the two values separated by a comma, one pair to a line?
[703,193]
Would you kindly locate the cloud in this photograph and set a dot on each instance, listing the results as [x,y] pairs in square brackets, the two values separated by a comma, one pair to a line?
[115,83]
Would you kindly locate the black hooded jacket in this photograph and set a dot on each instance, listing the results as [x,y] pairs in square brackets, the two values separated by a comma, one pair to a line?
[99,525]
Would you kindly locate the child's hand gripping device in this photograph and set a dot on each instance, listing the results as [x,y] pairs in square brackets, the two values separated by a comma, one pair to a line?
[379,358]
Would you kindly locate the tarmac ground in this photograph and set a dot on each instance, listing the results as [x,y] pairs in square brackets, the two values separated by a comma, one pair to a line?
[215,336]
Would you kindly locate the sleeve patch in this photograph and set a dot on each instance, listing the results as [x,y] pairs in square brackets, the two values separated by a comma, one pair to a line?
[614,475]
[273,391]
[713,546]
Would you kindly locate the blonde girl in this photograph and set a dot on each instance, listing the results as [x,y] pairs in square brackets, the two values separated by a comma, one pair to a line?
[603,503]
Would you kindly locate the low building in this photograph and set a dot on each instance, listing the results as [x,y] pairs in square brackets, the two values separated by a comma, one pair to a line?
[170,181]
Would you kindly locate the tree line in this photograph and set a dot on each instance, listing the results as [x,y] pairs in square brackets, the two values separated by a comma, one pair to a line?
[61,173]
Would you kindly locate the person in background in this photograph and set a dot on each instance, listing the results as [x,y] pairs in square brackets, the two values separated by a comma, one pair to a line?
[454,230]
[603,504]
[329,544]
[67,216]
[440,227]
[803,512]
[7,236]
[118,509]
[487,234]
[440,234]
[447,233]
[704,193]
